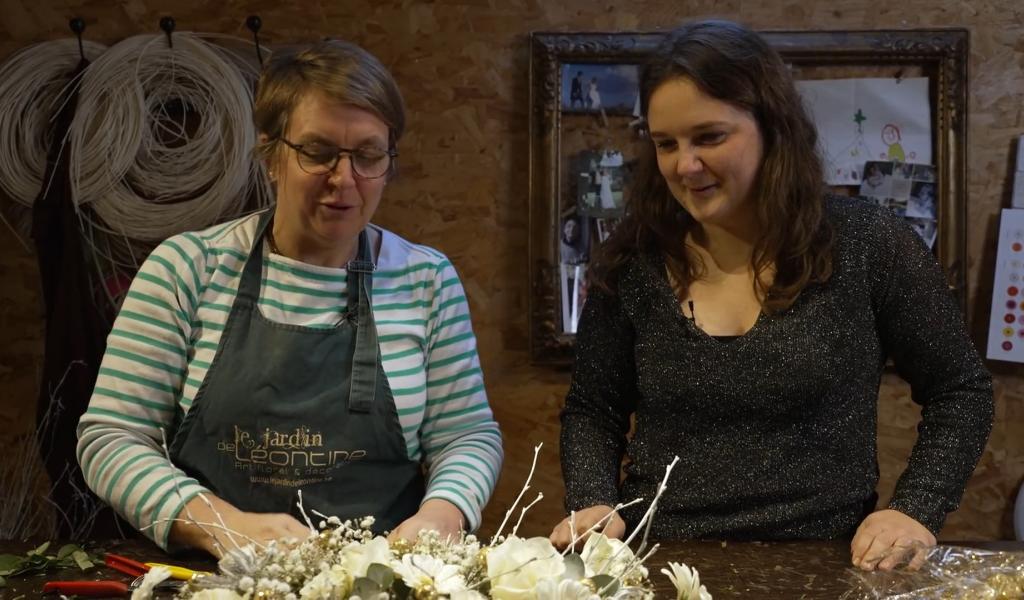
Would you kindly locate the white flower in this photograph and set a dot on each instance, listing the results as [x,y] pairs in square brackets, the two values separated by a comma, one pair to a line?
[687,582]
[607,556]
[329,584]
[420,570]
[360,555]
[149,582]
[217,594]
[566,589]
[516,566]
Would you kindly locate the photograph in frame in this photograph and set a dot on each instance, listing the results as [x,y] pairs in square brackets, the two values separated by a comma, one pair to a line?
[574,236]
[594,88]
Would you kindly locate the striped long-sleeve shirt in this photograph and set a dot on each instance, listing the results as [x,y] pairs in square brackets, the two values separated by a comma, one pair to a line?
[169,328]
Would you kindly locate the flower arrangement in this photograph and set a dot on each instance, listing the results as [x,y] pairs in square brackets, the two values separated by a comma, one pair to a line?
[344,560]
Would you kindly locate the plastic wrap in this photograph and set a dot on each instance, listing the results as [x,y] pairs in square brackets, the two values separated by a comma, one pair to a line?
[947,572]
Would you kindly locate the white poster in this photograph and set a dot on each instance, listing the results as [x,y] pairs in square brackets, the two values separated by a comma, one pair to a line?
[858,120]
[1006,325]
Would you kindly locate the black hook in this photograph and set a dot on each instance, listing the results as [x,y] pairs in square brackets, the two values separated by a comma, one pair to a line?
[77,25]
[254,22]
[167,24]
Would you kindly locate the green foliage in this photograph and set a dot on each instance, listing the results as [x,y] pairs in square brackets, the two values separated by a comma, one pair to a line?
[38,561]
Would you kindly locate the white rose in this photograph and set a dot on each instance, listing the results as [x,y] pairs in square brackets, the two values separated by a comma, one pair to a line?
[687,582]
[566,589]
[360,555]
[218,594]
[517,565]
[607,556]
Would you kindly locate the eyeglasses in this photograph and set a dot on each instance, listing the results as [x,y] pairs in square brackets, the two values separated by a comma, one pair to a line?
[320,159]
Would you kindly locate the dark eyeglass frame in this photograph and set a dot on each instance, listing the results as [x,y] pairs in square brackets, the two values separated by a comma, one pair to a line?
[300,149]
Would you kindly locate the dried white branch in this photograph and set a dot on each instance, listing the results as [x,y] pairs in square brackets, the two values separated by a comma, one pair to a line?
[526,486]
[540,496]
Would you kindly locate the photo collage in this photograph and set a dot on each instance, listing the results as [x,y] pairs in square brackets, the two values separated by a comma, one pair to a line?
[600,116]
[908,189]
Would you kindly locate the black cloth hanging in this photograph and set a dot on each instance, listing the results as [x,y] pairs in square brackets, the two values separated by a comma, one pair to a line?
[75,339]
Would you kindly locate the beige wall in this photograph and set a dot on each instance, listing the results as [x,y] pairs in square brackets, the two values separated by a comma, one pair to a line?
[463,68]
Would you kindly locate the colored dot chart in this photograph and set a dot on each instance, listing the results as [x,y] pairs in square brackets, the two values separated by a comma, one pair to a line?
[1006,326]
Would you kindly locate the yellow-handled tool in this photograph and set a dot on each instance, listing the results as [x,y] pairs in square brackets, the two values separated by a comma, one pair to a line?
[182,573]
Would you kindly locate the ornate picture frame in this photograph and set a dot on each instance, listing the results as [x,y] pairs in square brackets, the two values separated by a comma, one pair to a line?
[938,54]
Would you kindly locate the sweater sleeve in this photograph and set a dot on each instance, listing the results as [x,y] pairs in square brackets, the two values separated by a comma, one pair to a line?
[461,440]
[601,399]
[133,405]
[923,330]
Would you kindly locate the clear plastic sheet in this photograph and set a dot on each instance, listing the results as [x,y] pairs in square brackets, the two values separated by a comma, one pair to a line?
[948,572]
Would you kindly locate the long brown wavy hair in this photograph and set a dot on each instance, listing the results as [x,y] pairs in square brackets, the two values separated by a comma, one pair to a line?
[733,64]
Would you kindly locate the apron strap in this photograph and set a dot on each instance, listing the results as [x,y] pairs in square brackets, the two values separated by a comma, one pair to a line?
[249,286]
[365,357]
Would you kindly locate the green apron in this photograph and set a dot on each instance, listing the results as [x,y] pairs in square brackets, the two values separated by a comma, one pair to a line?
[286,407]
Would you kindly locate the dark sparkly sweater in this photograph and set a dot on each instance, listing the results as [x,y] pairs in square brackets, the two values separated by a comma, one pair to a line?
[776,429]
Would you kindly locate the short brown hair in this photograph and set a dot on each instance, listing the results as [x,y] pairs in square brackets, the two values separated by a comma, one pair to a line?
[341,71]
[735,65]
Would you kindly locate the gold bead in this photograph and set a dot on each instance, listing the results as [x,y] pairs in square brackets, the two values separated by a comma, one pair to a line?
[401,546]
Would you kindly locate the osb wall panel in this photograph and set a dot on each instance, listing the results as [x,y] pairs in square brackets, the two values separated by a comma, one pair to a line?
[463,68]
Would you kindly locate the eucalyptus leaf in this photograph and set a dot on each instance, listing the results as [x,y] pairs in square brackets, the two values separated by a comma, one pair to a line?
[574,567]
[66,550]
[82,560]
[3,582]
[364,587]
[10,562]
[38,551]
[606,585]
[382,574]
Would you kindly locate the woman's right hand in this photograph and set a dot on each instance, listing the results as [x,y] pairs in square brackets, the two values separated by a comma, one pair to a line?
[239,527]
[614,527]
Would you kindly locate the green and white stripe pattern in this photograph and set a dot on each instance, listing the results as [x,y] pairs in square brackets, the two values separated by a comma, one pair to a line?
[169,327]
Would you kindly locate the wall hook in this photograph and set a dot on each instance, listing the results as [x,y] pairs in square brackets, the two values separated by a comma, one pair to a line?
[77,25]
[167,24]
[254,22]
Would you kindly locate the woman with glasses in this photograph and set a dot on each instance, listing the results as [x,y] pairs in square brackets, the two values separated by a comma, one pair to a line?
[740,318]
[300,355]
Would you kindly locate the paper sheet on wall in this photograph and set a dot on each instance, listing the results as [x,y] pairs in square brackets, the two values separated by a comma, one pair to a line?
[869,119]
[1006,325]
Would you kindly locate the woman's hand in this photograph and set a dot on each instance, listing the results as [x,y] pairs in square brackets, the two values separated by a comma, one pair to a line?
[238,528]
[437,514]
[614,527]
[888,538]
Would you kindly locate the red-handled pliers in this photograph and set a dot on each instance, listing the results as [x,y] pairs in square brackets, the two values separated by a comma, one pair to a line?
[88,588]
[103,588]
[125,565]
[107,587]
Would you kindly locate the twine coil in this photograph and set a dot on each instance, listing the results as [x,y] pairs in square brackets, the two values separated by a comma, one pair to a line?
[162,139]
[31,81]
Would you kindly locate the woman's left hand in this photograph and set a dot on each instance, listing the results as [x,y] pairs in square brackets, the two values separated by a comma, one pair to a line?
[888,538]
[440,515]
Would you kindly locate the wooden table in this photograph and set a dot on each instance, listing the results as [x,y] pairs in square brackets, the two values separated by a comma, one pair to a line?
[777,570]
